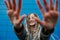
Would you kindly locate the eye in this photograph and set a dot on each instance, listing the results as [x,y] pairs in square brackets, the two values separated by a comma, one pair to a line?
[32,17]
[29,18]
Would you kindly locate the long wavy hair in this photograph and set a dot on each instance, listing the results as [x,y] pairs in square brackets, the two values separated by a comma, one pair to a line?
[27,23]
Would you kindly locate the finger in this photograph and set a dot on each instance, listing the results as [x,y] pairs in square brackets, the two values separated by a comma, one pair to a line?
[56,5]
[10,4]
[40,7]
[21,19]
[50,3]
[46,5]
[19,6]
[7,4]
[51,6]
[39,21]
[14,4]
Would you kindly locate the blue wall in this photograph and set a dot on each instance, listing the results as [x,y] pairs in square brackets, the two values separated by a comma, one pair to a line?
[28,6]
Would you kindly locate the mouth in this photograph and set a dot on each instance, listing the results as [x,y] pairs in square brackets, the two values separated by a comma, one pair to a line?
[32,23]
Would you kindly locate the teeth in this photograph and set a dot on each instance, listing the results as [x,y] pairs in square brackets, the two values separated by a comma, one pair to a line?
[32,23]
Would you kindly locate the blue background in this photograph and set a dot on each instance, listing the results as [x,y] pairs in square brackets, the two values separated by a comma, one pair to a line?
[28,6]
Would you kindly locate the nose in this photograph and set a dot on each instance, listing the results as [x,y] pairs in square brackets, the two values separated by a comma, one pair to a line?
[31,19]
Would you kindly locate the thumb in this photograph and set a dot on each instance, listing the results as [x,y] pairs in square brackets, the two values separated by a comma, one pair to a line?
[23,16]
[21,19]
[39,21]
[18,21]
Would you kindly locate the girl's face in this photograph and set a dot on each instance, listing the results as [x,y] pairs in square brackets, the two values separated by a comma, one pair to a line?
[31,20]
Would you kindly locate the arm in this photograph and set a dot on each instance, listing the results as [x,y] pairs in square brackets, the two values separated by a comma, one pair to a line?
[50,17]
[16,19]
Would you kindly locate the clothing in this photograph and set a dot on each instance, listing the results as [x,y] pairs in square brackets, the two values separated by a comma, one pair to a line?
[24,34]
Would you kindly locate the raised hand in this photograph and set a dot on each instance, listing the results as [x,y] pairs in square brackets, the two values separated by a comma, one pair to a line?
[13,11]
[50,14]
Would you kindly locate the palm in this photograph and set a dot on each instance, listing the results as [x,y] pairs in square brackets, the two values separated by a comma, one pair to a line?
[50,18]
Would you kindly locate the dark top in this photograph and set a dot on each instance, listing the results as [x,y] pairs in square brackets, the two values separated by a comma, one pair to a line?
[21,33]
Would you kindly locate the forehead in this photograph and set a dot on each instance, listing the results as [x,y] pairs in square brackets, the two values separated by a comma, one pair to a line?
[31,15]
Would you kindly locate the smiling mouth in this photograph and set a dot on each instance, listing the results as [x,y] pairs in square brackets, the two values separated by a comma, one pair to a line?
[32,25]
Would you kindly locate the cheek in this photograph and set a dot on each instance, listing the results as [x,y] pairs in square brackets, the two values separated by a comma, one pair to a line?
[31,20]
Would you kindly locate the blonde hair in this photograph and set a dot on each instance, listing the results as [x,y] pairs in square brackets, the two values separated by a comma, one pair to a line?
[27,25]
